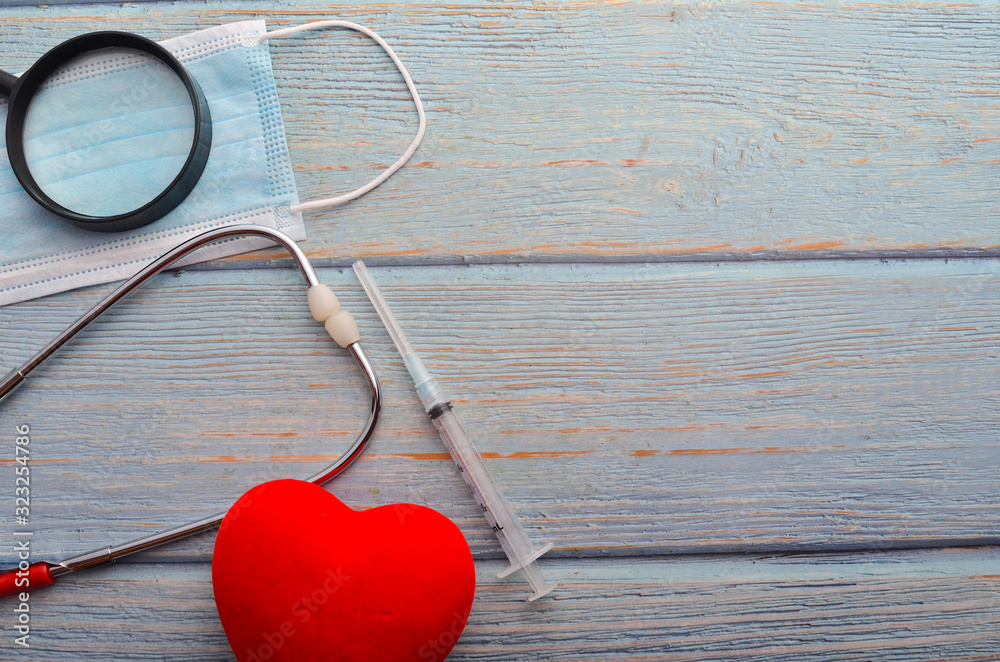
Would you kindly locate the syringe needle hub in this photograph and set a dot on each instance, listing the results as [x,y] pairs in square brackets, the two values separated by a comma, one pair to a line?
[519,549]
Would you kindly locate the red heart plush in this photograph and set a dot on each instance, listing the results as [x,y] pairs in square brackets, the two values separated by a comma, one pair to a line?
[299,576]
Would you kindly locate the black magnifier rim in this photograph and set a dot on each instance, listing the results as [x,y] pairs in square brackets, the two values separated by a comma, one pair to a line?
[23,91]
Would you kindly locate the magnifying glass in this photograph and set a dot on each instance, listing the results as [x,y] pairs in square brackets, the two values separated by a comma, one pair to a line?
[107,130]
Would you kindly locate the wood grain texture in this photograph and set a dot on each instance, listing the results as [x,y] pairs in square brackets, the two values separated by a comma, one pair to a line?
[655,380]
[623,131]
[910,606]
[623,410]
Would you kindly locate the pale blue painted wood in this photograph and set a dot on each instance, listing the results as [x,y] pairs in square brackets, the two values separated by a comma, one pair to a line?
[703,407]
[657,409]
[901,606]
[619,131]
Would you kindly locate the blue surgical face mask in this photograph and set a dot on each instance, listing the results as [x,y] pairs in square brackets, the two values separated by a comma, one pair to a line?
[248,177]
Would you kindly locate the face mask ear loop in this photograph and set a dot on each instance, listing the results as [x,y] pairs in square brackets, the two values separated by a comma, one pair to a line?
[331,202]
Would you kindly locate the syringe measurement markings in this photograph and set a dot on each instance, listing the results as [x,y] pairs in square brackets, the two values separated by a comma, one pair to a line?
[475,492]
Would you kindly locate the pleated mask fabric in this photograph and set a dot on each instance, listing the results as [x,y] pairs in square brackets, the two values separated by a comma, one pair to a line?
[248,177]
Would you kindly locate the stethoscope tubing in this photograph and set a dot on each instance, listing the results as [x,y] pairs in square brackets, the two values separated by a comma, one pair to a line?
[17,377]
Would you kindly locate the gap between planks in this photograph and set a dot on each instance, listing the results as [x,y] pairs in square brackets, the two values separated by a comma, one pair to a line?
[268,259]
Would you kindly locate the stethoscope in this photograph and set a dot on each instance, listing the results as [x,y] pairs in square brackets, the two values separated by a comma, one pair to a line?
[21,92]
[324,309]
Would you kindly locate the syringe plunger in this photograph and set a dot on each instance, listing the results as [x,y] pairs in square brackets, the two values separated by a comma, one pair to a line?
[519,549]
[513,539]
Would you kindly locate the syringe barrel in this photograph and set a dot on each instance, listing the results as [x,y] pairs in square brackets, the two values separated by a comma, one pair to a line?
[515,542]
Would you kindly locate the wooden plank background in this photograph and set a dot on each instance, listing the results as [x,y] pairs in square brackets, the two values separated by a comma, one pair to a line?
[925,605]
[712,284]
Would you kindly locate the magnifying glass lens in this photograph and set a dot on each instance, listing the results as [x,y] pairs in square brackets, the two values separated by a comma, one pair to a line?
[108,132]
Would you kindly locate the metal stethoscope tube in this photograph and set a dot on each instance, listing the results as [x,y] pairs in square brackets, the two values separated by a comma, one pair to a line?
[16,377]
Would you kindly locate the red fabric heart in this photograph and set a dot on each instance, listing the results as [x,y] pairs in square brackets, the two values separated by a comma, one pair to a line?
[299,576]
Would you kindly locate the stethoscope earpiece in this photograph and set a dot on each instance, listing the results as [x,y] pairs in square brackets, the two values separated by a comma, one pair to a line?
[325,308]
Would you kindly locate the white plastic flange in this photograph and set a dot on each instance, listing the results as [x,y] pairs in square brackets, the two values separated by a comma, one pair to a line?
[322,302]
[343,328]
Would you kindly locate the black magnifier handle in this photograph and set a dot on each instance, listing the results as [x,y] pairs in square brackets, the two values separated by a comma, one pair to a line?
[7,82]
[22,89]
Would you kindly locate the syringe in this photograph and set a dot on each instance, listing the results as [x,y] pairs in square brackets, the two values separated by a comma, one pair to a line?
[515,542]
